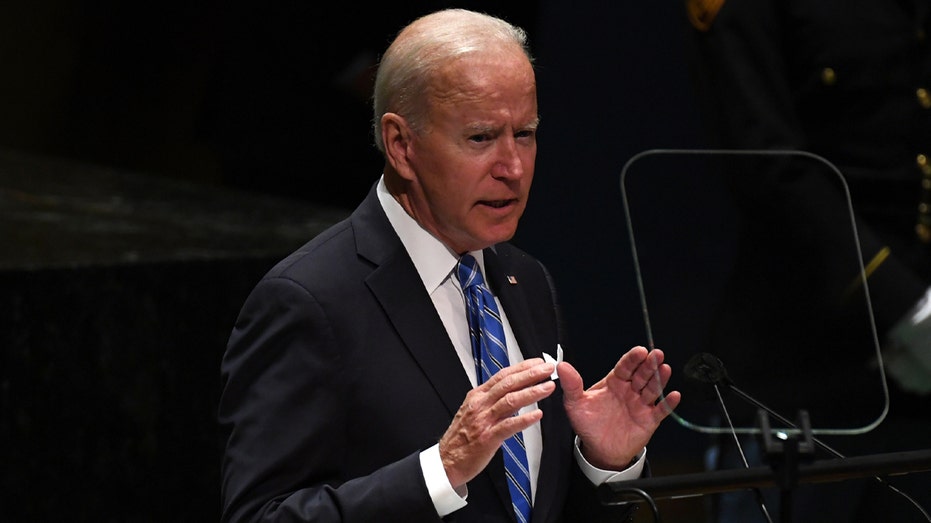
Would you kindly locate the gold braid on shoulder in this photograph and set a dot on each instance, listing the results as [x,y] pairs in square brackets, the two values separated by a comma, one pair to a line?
[702,12]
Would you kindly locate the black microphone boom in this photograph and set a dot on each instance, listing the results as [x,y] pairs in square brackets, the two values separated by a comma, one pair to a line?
[709,369]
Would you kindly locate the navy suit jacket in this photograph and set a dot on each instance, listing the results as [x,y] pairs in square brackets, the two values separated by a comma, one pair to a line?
[339,372]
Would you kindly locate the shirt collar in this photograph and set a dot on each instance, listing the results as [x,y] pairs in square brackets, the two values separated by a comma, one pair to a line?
[433,260]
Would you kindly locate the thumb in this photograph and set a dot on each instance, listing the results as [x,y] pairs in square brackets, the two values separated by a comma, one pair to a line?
[571,382]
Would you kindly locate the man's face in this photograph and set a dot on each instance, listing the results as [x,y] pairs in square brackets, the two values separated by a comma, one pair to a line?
[473,161]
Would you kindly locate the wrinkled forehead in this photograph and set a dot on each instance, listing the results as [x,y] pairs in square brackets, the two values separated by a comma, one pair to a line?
[484,76]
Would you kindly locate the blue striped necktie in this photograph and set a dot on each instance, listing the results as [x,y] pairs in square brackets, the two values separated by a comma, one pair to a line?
[491,355]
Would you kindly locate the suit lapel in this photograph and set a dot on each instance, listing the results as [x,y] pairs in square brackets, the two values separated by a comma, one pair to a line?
[396,285]
[514,302]
[417,322]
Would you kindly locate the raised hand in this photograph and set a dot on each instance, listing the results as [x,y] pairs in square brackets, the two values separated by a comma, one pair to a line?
[616,417]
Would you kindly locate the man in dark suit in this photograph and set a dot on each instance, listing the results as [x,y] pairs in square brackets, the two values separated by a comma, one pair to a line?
[351,391]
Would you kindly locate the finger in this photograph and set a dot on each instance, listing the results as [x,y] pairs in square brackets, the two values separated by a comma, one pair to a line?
[665,406]
[510,425]
[519,422]
[509,404]
[519,376]
[509,390]
[648,371]
[629,363]
[654,387]
[670,402]
[637,376]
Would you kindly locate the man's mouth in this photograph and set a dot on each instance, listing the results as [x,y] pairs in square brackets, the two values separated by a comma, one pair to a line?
[497,204]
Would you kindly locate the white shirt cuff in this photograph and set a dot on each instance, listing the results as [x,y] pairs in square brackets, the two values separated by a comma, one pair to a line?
[445,498]
[598,476]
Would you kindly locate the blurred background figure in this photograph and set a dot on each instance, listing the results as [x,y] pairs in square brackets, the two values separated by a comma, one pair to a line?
[848,80]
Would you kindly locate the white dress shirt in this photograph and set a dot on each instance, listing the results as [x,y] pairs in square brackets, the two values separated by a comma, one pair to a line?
[435,264]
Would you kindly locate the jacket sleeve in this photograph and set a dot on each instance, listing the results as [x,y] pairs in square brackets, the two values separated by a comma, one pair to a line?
[280,411]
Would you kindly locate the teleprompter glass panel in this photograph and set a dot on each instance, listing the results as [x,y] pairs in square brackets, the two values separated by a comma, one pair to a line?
[754,282]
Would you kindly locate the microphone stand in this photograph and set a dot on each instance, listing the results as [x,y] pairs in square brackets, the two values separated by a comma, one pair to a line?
[790,459]
[785,456]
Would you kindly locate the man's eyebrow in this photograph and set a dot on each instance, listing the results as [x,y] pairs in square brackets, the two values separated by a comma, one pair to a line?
[480,128]
[488,128]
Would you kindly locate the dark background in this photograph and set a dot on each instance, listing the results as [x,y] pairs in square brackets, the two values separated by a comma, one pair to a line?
[175,120]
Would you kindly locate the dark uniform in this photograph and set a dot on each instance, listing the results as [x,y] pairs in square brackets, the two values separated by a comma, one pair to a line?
[849,80]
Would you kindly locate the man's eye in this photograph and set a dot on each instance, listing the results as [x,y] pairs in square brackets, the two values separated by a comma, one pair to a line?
[524,134]
[479,138]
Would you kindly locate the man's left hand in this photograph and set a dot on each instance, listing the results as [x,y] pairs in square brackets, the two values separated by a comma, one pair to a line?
[616,417]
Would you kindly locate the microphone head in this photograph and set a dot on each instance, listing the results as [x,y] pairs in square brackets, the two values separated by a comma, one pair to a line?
[706,368]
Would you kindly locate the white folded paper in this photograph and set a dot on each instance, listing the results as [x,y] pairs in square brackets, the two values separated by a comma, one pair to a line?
[549,359]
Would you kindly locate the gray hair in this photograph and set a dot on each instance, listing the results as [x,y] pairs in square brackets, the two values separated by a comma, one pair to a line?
[407,67]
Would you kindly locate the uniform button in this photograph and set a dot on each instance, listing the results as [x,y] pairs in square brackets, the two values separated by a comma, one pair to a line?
[923,231]
[924,99]
[828,77]
[923,164]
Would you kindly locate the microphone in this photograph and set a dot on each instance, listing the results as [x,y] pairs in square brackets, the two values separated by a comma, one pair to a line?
[706,368]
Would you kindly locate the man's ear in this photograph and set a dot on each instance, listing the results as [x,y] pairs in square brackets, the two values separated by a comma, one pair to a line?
[397,136]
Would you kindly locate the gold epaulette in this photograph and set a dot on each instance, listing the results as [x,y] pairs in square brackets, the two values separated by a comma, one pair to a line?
[702,12]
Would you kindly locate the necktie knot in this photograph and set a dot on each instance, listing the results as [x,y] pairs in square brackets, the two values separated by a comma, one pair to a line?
[468,272]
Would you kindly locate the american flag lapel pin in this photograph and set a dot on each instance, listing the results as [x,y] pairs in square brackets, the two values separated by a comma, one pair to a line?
[512,280]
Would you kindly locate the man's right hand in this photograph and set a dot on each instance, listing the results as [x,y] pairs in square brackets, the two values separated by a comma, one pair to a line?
[488,416]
